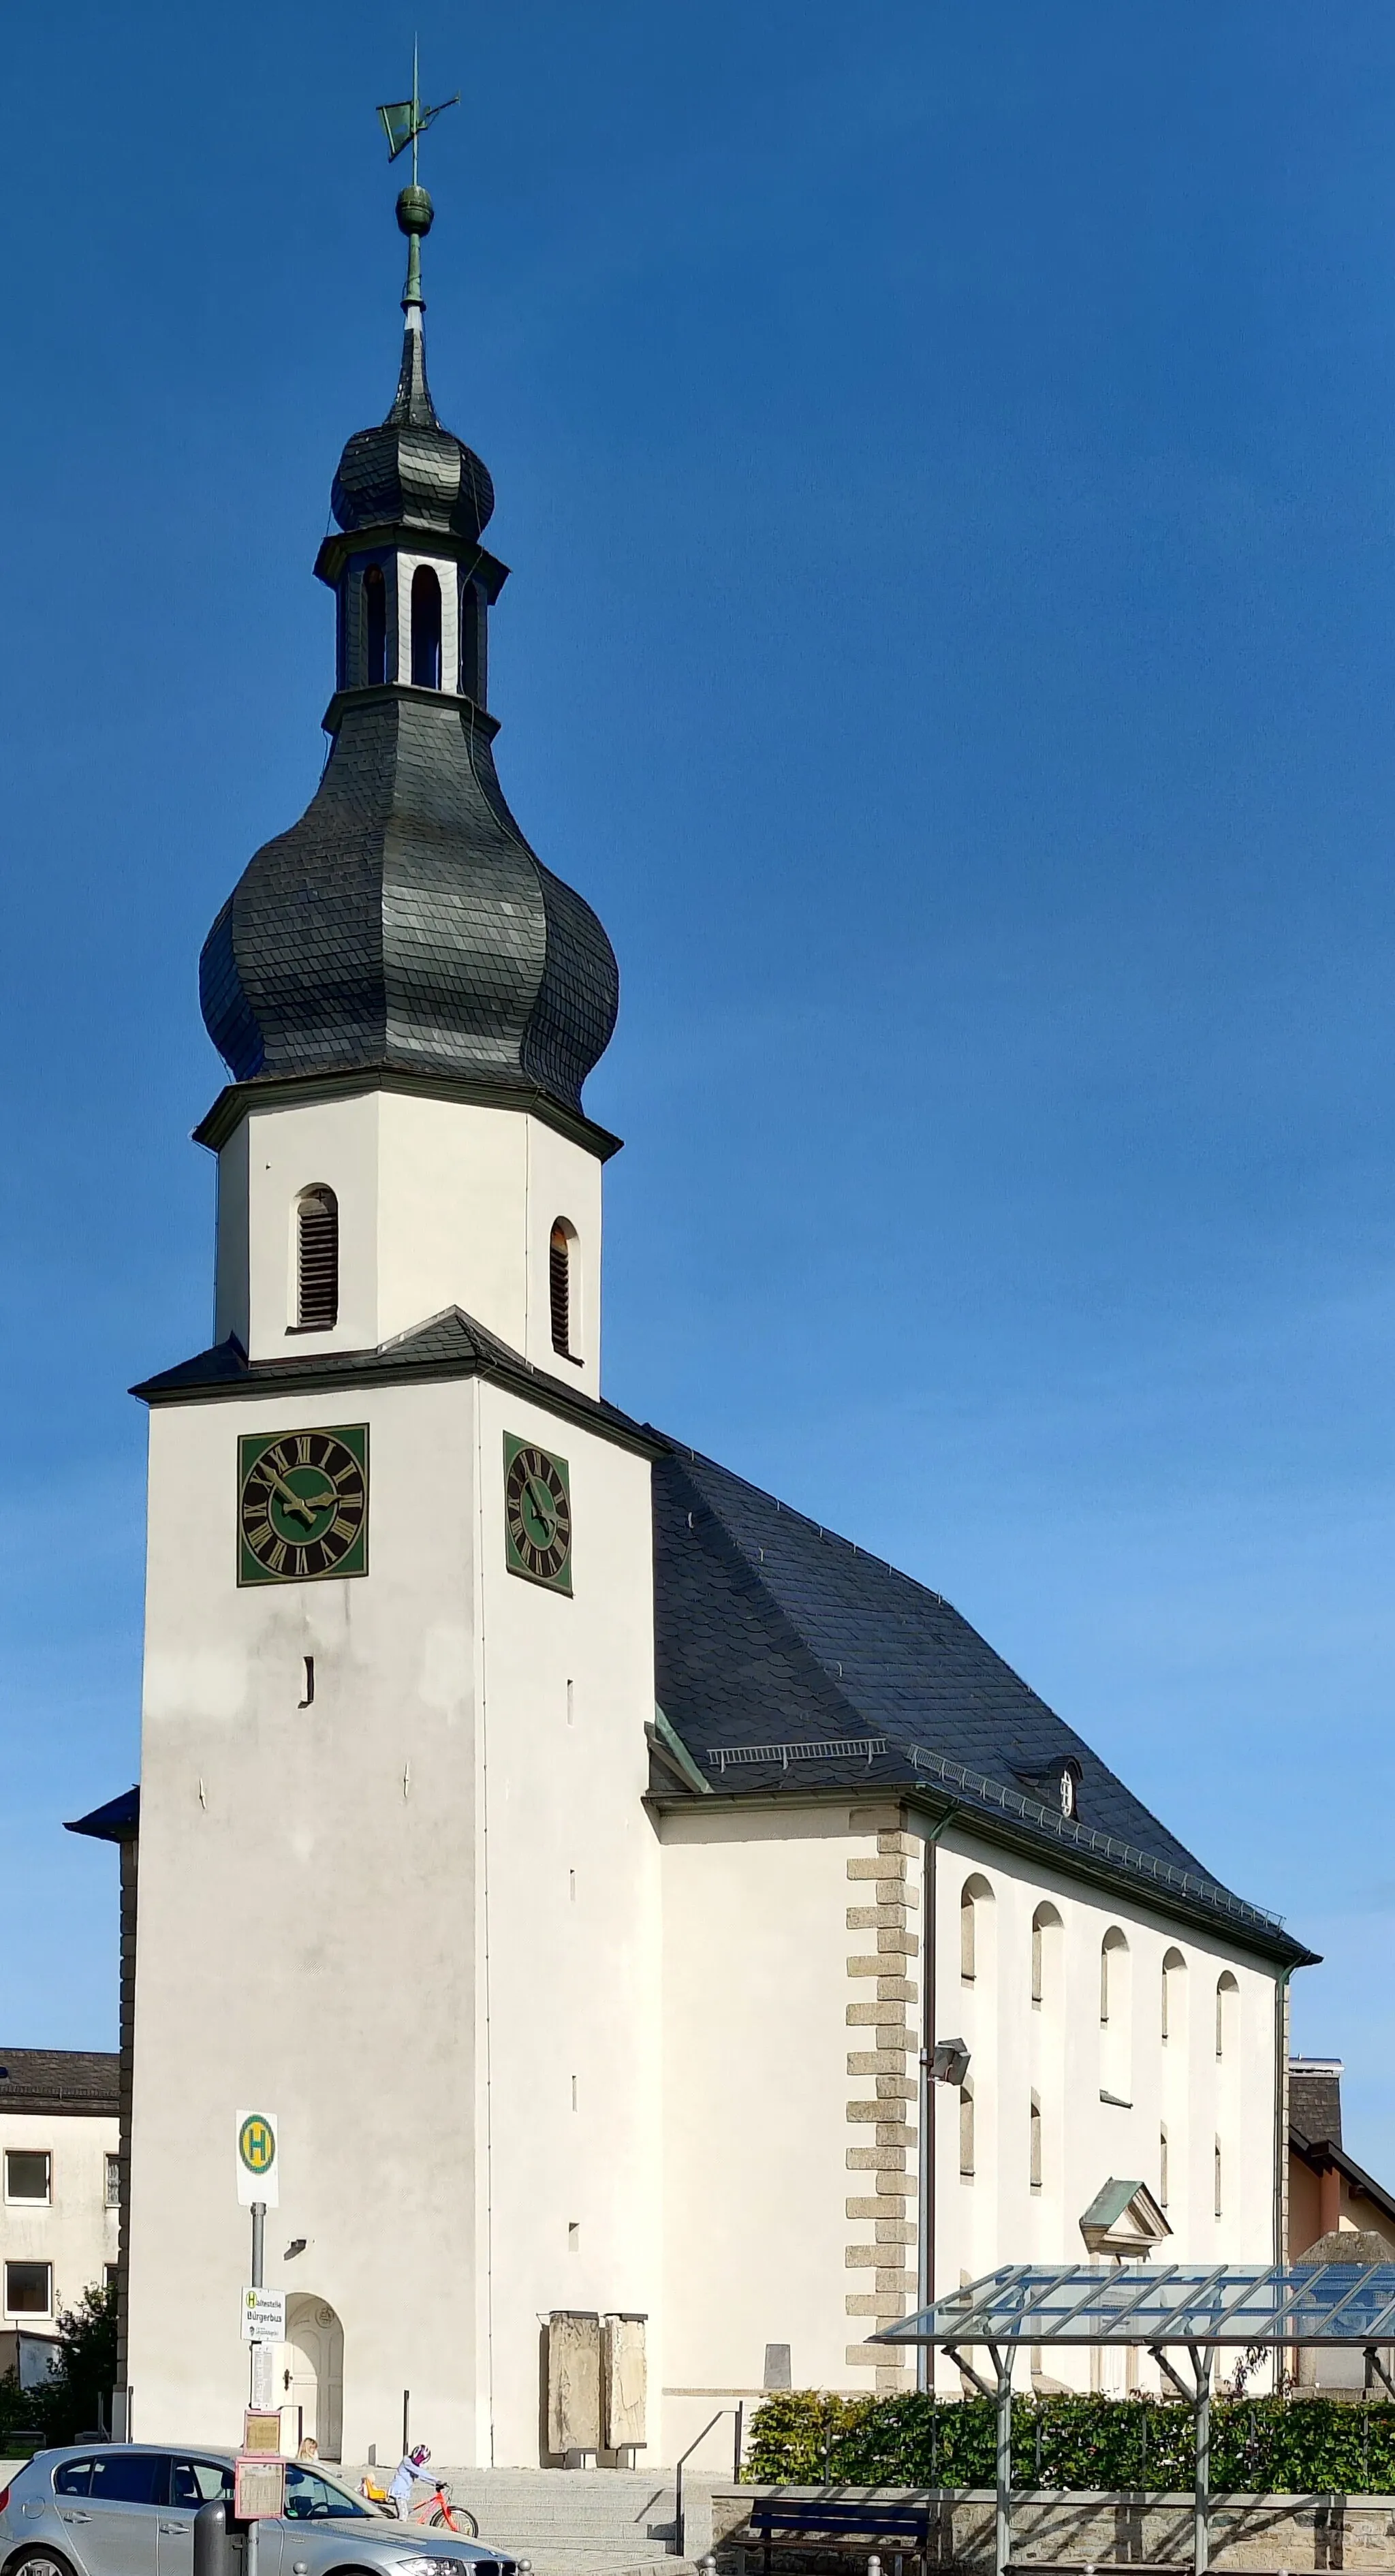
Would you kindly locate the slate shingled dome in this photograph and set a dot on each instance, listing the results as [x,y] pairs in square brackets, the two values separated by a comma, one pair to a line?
[404,922]
[410,472]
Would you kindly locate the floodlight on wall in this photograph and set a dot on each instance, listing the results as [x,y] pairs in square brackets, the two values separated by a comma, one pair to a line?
[947,2062]
[296,2246]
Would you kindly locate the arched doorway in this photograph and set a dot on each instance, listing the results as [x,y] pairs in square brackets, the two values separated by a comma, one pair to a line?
[314,2371]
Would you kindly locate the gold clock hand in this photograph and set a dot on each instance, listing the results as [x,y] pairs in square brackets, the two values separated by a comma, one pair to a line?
[304,1506]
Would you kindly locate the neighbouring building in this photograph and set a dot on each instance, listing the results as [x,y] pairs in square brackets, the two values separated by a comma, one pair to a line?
[583,1855]
[59,2169]
[1329,2193]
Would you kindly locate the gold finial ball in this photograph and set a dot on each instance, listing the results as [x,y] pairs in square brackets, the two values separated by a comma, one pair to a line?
[415,212]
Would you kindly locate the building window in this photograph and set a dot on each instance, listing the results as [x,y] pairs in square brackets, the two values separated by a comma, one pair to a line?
[1114,1951]
[1217,2165]
[968,1941]
[1227,2004]
[317,1260]
[426,629]
[1174,1968]
[109,2275]
[1162,2168]
[472,681]
[28,2289]
[966,2128]
[113,2182]
[1046,1925]
[374,628]
[560,1286]
[29,2176]
[1035,2148]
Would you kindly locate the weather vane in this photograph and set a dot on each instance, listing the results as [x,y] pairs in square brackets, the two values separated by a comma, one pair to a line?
[406,118]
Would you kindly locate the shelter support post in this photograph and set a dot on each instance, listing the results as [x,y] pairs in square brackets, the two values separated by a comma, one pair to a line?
[1201,2507]
[1001,2358]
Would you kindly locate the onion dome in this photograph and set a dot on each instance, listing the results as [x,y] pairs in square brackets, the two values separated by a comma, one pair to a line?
[411,472]
[404,923]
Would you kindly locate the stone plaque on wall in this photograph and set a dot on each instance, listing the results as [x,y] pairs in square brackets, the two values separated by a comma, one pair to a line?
[573,2380]
[624,2382]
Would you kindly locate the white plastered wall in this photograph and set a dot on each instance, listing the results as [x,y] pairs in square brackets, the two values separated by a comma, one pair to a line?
[756,2086]
[441,1203]
[76,2233]
[306,1927]
[757,1976]
[571,1928]
[360,1915]
[1060,2050]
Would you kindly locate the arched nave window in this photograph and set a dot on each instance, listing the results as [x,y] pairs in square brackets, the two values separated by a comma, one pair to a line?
[1227,2007]
[1114,1954]
[1174,1969]
[975,1897]
[1046,1929]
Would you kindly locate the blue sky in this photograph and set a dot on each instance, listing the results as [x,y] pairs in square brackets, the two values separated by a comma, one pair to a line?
[945,454]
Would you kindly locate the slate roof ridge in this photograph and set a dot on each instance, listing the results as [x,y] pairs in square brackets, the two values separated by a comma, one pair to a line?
[884,1565]
[681,1449]
[750,1577]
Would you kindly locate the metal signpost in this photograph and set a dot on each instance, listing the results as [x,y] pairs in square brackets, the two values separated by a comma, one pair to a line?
[258,2189]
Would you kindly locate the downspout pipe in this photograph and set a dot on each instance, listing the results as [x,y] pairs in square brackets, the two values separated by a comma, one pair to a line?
[1281,2138]
[925,2198]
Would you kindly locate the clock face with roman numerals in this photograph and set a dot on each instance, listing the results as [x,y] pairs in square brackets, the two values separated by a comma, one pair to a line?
[302,1505]
[537,1515]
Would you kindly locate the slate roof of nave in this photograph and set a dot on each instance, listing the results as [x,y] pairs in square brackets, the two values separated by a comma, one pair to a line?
[773,1633]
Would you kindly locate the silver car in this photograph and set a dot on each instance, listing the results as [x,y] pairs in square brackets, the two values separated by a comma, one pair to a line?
[127,2509]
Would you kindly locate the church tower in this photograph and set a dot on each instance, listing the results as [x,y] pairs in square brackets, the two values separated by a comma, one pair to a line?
[397,1885]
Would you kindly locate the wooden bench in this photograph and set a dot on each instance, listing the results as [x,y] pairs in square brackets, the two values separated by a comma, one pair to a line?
[838,2520]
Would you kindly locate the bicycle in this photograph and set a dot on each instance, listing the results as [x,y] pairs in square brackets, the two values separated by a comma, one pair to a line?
[435,2512]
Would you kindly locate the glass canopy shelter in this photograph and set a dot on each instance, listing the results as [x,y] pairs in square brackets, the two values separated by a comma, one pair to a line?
[1195,2310]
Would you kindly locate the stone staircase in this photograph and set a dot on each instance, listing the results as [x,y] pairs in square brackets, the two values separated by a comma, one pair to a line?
[572,2522]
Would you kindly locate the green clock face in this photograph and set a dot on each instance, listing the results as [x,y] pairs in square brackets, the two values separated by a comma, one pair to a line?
[302,1505]
[537,1515]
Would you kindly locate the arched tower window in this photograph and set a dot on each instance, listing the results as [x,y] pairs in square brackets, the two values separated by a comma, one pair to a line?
[1034,2164]
[1216,2168]
[426,629]
[561,1287]
[472,644]
[374,628]
[1162,2168]
[966,2128]
[317,1260]
[1227,2006]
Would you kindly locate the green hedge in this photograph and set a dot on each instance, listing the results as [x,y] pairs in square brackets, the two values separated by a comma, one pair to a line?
[1266,2445]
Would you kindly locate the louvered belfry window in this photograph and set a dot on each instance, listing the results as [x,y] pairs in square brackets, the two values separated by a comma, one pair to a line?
[317,1264]
[559,1280]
